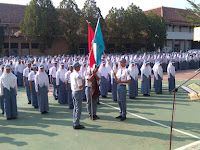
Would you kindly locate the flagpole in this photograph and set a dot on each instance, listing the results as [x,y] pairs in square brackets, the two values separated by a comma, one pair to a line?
[91,82]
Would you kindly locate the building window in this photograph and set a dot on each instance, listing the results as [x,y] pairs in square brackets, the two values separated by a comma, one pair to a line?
[14,45]
[25,45]
[190,29]
[35,45]
[5,45]
[179,28]
[173,28]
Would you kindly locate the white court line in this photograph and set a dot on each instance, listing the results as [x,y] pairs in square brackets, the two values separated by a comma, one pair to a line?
[188,146]
[160,124]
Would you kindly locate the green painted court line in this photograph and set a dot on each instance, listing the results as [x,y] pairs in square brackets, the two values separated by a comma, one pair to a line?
[160,124]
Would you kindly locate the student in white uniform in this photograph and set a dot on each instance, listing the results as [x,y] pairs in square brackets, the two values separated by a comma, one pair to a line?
[92,78]
[123,78]
[68,86]
[26,71]
[31,79]
[8,91]
[52,73]
[77,95]
[60,83]
[82,71]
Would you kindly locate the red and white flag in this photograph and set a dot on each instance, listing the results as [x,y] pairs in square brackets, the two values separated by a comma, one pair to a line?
[90,45]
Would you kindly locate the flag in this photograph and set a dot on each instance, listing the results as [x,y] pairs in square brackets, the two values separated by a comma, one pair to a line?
[90,40]
[98,44]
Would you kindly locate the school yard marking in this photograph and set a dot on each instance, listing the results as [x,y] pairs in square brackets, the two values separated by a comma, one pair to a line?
[192,146]
[149,120]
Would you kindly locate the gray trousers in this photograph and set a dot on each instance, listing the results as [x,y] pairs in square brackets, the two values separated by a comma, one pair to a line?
[121,96]
[77,100]
[55,89]
[28,91]
[94,101]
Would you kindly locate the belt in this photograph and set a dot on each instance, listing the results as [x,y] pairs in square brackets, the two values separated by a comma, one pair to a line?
[122,85]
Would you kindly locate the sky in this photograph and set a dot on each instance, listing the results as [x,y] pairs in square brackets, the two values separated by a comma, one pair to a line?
[106,5]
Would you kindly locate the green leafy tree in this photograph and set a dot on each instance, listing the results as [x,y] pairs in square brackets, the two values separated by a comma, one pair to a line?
[127,27]
[91,13]
[116,28]
[194,16]
[41,23]
[156,32]
[70,23]
[137,24]
[2,37]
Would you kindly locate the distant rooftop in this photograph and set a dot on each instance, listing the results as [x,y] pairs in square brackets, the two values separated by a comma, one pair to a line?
[11,13]
[171,15]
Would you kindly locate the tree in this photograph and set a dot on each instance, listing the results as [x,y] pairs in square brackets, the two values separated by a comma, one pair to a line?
[194,16]
[127,27]
[2,37]
[156,32]
[116,27]
[40,23]
[91,13]
[70,23]
[137,23]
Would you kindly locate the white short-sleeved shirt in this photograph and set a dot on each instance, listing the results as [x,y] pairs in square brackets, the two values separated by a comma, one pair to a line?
[122,75]
[67,76]
[31,76]
[76,81]
[87,75]
[26,72]
[52,71]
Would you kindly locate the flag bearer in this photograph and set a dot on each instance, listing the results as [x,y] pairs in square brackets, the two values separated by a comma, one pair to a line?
[92,78]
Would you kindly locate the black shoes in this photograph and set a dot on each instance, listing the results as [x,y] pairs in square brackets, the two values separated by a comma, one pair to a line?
[115,100]
[123,118]
[146,95]
[35,106]
[78,127]
[132,97]
[71,107]
[98,103]
[44,112]
[56,98]
[95,117]
[104,96]
[2,112]
[119,117]
[11,118]
[29,102]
